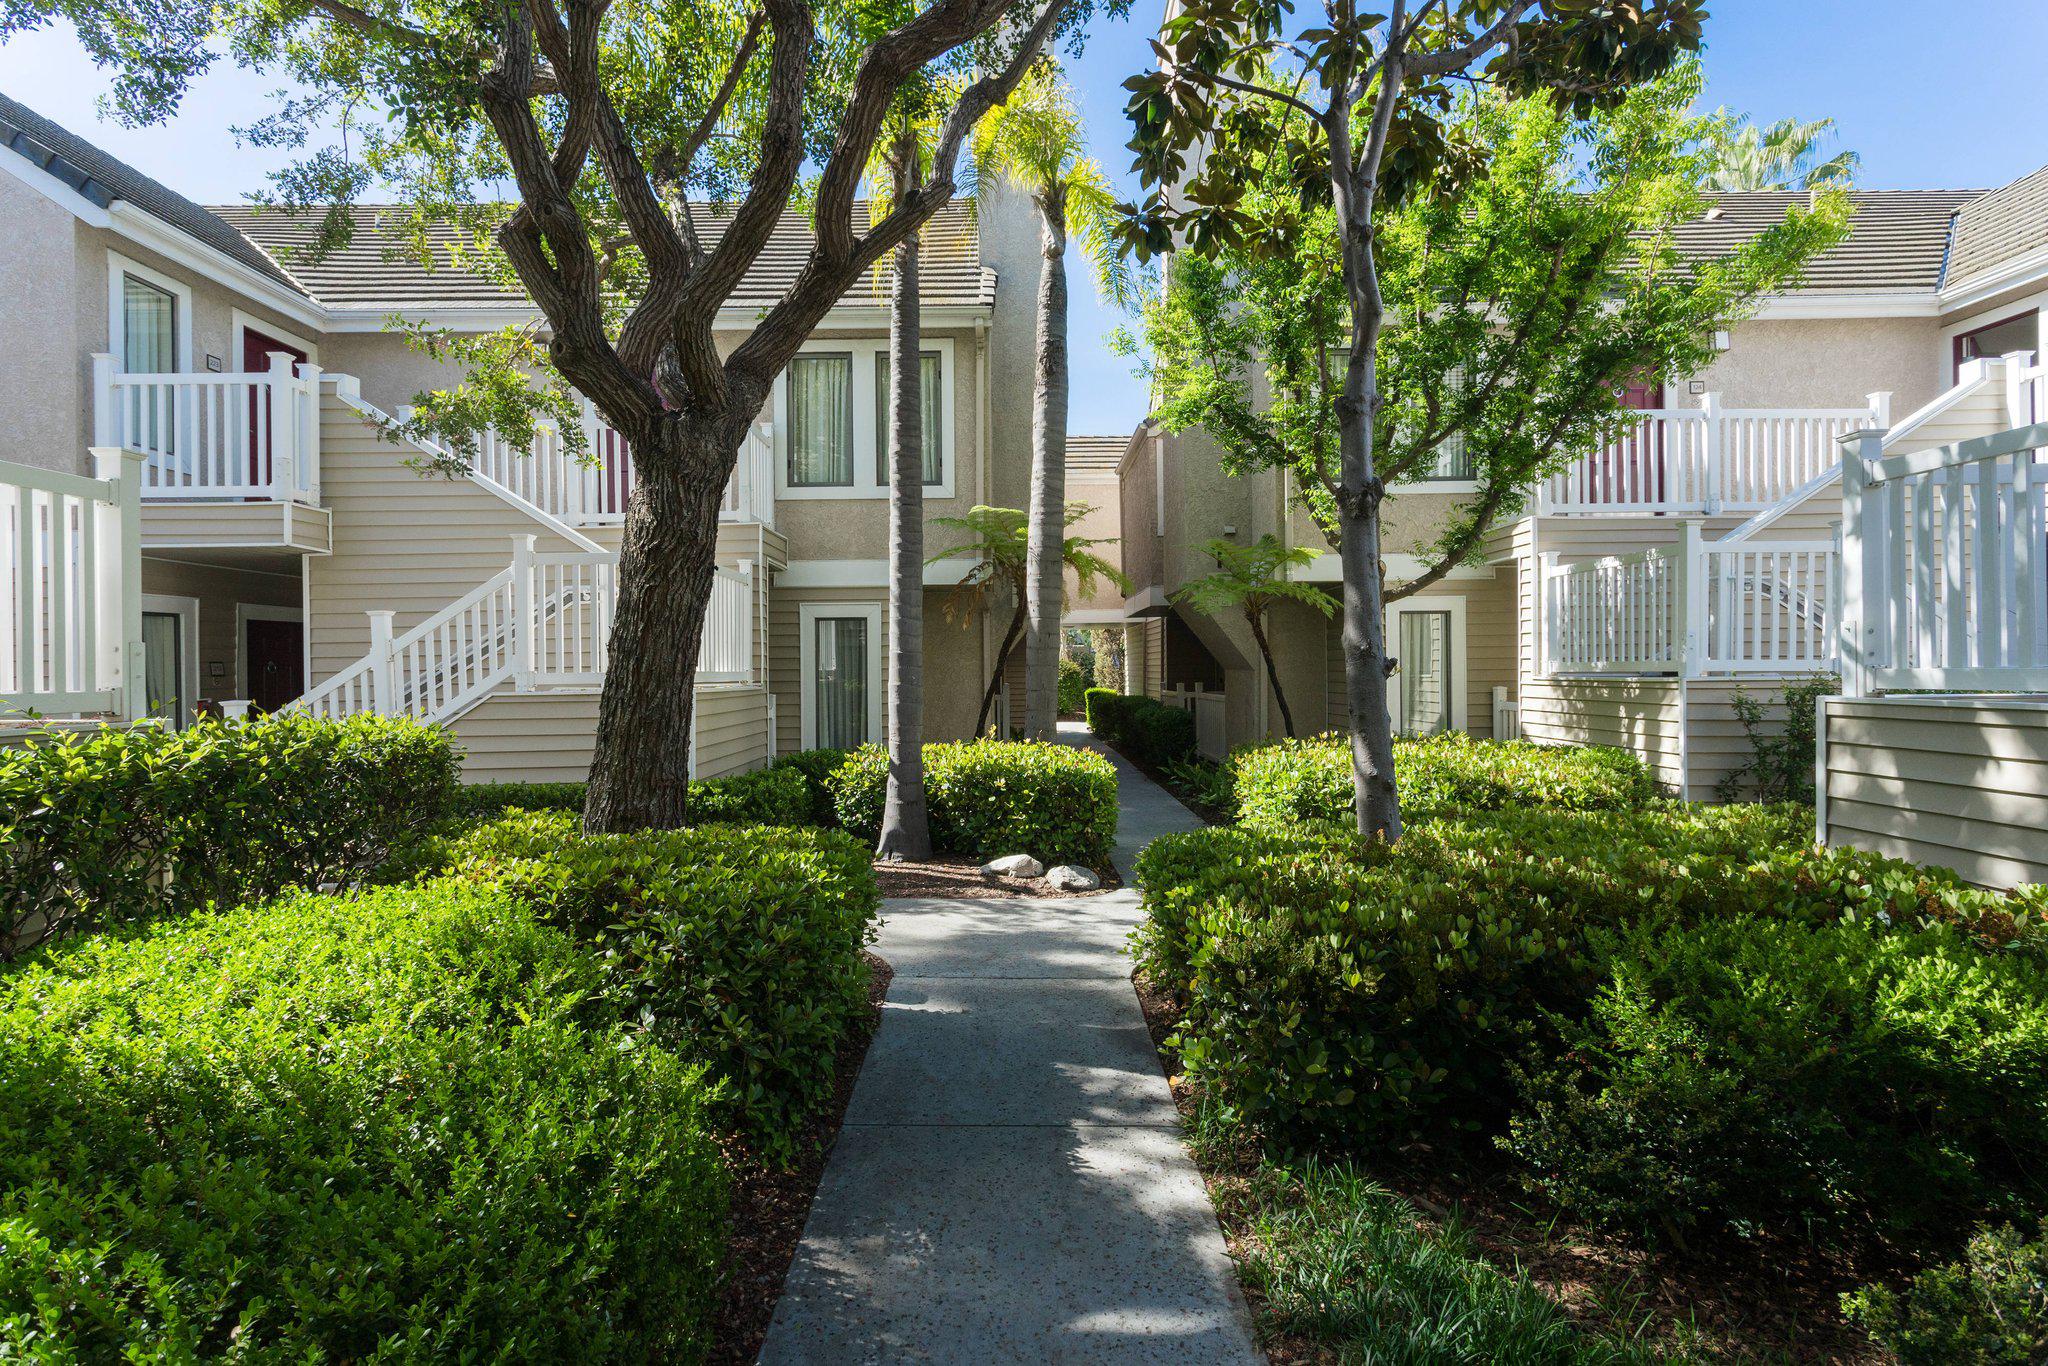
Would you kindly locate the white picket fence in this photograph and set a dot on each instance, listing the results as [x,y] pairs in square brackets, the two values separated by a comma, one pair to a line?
[225,436]
[593,489]
[543,622]
[71,590]
[1707,460]
[1945,564]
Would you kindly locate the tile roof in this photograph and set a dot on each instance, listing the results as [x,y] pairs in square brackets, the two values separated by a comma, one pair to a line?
[103,178]
[370,272]
[1095,456]
[1995,228]
[1897,243]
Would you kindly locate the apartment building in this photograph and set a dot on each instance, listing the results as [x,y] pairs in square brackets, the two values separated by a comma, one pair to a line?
[200,362]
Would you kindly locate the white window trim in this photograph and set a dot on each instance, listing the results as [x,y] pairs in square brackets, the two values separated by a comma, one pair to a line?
[117,312]
[239,322]
[808,616]
[187,609]
[246,612]
[1455,608]
[865,398]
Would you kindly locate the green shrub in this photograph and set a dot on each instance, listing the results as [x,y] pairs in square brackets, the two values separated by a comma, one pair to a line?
[1074,683]
[1755,1075]
[739,947]
[342,1129]
[116,827]
[1095,704]
[816,765]
[1294,781]
[1148,731]
[495,799]
[1336,988]
[1782,748]
[1990,1309]
[987,798]
[768,796]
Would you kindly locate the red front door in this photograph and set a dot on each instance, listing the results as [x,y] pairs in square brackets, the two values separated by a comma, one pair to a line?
[256,349]
[275,660]
[1636,462]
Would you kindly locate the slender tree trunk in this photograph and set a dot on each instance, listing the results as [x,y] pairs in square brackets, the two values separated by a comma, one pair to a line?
[995,682]
[906,831]
[1044,558]
[640,769]
[1272,674]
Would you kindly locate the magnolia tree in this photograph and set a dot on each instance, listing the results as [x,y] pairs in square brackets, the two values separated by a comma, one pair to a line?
[567,139]
[1352,110]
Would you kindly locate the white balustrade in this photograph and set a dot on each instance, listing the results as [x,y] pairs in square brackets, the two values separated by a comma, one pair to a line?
[1945,564]
[1617,615]
[1770,606]
[71,590]
[227,436]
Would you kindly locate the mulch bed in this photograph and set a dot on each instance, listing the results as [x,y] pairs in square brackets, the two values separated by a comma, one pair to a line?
[1769,1301]
[769,1206]
[963,877]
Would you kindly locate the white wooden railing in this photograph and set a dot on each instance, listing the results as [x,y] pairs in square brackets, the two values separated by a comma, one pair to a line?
[1706,460]
[1945,564]
[71,590]
[592,490]
[1769,607]
[229,436]
[1619,615]
[543,622]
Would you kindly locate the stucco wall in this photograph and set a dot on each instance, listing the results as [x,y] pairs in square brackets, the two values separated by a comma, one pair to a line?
[43,366]
[1826,363]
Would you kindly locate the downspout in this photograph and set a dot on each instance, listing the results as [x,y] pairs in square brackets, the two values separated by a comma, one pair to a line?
[981,469]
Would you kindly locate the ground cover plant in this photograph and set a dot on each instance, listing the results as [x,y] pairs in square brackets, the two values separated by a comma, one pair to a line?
[119,827]
[399,1124]
[988,798]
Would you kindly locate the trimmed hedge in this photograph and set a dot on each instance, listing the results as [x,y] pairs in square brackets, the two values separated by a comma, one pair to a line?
[739,947]
[1073,684]
[768,796]
[815,766]
[987,798]
[1751,1074]
[1302,781]
[1148,731]
[375,1127]
[1334,988]
[119,826]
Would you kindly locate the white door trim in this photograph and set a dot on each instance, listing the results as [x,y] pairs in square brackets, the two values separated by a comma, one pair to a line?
[246,612]
[809,614]
[1455,608]
[186,609]
[240,322]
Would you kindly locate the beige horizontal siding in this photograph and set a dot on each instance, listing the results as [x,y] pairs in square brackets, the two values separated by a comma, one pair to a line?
[548,737]
[1640,715]
[1489,651]
[226,526]
[1960,784]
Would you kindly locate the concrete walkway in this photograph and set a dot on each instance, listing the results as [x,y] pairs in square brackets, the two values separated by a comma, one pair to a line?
[1009,1184]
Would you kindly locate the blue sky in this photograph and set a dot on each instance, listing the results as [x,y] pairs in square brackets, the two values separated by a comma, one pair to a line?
[1931,95]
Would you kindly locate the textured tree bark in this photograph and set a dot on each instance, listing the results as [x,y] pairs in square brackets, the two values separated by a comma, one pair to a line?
[1044,561]
[1258,625]
[640,771]
[906,830]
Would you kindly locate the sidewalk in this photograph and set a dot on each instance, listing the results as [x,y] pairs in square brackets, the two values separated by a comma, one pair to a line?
[1009,1184]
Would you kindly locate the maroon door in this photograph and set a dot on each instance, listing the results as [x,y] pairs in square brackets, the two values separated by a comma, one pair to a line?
[256,349]
[1640,455]
[275,654]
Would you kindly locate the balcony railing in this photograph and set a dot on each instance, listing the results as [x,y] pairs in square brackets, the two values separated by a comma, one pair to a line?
[1707,460]
[206,436]
[593,490]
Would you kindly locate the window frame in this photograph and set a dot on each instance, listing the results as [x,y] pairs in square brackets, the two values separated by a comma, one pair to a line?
[937,390]
[119,267]
[866,420]
[1453,606]
[809,614]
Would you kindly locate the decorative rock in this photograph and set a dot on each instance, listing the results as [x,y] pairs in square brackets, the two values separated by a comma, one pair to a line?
[1014,865]
[1070,877]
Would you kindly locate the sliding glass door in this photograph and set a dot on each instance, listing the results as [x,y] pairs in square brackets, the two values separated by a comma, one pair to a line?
[843,652]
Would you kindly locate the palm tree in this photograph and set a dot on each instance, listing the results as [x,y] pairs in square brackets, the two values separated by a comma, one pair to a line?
[1253,579]
[1034,143]
[1000,545]
[1780,157]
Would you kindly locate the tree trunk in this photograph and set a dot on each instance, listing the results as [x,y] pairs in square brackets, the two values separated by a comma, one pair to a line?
[640,768]
[995,682]
[906,831]
[1272,674]
[1044,557]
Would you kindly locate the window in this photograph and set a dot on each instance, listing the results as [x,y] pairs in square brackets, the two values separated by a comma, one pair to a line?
[2019,333]
[149,328]
[928,400]
[1453,461]
[170,659]
[821,421]
[841,672]
[1424,650]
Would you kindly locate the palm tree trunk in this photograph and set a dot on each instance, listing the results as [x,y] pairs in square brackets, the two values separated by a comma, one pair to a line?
[995,682]
[1044,558]
[1258,625]
[906,831]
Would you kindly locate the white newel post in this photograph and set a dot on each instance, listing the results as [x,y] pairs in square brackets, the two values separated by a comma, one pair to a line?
[525,638]
[383,673]
[1863,617]
[2017,412]
[117,575]
[1689,600]
[1880,401]
[1710,452]
[309,433]
[105,428]
[283,473]
[1546,620]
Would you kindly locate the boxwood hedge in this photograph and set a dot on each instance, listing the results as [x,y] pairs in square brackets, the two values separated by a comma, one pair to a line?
[346,1128]
[118,826]
[741,947]
[1296,781]
[770,796]
[987,798]
[1148,731]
